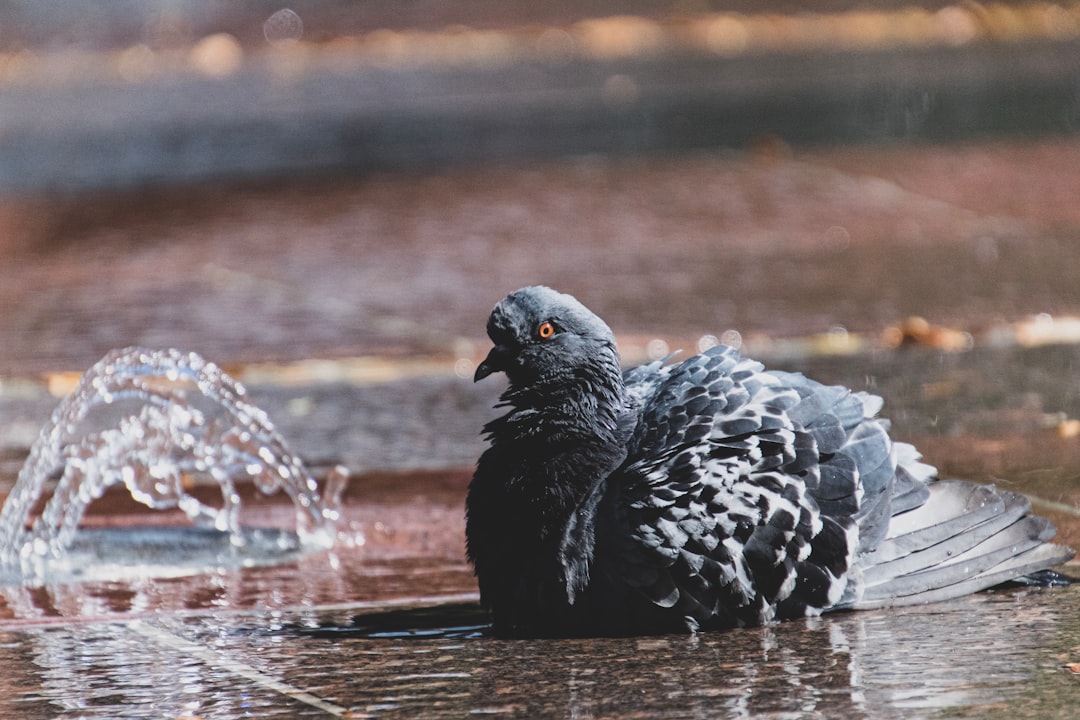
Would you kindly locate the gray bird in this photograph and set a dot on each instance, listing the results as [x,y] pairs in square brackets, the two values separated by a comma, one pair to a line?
[708,493]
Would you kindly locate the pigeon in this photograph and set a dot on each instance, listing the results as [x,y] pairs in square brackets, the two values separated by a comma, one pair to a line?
[709,493]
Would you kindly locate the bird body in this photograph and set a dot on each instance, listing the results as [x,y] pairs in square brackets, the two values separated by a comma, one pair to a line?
[708,493]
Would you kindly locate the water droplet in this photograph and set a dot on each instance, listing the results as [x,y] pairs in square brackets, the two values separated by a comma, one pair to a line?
[283,26]
[732,338]
[657,349]
[837,237]
[464,368]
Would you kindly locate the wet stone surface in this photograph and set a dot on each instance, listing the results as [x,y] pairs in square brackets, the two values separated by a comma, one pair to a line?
[873,665]
[995,654]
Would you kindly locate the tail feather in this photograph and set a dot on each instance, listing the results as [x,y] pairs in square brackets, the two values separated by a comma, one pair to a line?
[1033,560]
[960,537]
[1019,537]
[952,508]
[1012,508]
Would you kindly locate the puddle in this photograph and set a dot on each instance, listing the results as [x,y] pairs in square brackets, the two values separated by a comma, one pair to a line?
[996,653]
[391,628]
[967,657]
[131,553]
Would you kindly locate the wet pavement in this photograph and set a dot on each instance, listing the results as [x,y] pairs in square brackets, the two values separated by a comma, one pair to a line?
[391,629]
[1006,662]
[352,304]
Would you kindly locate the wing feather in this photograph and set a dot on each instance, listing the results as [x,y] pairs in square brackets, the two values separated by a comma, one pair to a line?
[716,442]
[749,495]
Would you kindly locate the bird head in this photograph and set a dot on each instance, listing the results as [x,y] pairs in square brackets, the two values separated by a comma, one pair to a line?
[544,337]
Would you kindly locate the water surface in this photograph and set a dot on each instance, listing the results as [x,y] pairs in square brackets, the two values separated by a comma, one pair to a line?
[995,653]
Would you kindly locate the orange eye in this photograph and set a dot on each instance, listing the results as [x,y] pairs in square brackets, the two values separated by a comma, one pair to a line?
[545,330]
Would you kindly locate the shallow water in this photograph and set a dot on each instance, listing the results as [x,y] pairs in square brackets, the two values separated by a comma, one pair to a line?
[854,665]
[390,627]
[1000,652]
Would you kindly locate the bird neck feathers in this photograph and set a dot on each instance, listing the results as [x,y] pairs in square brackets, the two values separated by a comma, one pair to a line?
[585,402]
[552,454]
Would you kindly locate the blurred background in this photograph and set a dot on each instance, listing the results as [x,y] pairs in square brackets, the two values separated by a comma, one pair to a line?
[328,196]
[334,179]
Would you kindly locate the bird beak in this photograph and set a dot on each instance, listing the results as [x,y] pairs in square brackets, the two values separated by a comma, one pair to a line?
[493,363]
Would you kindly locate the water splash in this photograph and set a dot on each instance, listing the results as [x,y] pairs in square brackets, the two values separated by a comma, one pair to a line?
[156,422]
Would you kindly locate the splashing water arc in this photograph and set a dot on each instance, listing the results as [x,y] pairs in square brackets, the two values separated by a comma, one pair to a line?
[148,419]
